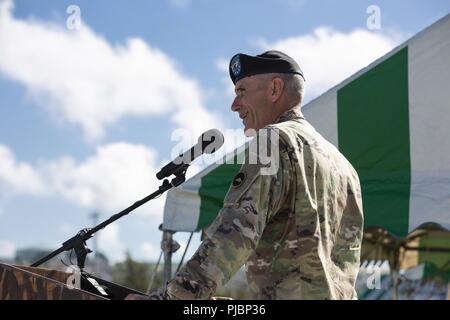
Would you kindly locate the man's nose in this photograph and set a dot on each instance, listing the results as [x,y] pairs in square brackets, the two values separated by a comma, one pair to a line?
[235,106]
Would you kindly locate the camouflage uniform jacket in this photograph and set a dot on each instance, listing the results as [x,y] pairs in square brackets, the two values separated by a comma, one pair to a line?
[298,230]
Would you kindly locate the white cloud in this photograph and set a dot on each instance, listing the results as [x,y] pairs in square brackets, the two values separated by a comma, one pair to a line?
[328,56]
[83,79]
[112,179]
[7,249]
[110,243]
[222,65]
[18,177]
[149,251]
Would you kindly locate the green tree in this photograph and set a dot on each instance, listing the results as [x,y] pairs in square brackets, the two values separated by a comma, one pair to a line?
[134,274]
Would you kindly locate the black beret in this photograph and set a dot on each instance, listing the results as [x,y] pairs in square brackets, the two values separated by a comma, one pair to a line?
[243,65]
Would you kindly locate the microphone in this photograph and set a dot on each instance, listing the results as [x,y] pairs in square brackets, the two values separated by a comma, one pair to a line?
[209,142]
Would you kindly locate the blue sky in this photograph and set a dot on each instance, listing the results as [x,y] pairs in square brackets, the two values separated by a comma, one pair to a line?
[86,115]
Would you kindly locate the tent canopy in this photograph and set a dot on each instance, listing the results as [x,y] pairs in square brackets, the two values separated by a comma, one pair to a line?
[390,120]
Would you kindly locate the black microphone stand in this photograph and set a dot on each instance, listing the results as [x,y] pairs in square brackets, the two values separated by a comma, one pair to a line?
[78,242]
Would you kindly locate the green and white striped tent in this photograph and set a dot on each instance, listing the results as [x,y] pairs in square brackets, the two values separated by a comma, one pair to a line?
[390,119]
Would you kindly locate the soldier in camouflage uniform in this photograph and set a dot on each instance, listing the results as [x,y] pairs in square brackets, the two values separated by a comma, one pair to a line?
[298,230]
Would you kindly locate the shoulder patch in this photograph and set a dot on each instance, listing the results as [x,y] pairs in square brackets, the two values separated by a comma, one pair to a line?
[240,184]
[239,179]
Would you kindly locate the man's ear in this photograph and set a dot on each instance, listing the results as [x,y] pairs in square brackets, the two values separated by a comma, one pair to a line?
[276,89]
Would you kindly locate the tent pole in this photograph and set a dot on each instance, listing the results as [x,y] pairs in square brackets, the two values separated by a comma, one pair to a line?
[166,246]
[394,276]
[394,266]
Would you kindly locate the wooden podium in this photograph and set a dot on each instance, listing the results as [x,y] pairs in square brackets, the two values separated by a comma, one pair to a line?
[28,283]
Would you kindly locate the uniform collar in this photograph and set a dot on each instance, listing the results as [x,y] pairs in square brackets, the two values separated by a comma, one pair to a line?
[292,114]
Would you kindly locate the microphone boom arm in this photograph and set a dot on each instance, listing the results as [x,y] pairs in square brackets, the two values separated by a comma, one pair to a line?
[78,242]
[208,142]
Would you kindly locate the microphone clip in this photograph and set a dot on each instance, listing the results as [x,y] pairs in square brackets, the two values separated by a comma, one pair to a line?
[180,175]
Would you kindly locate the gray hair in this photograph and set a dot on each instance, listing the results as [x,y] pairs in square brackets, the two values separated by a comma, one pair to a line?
[294,86]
